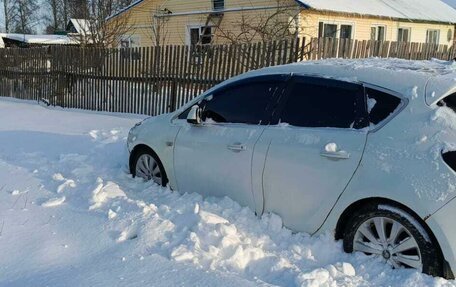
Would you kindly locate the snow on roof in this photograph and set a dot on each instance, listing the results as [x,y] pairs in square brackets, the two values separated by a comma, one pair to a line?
[40,39]
[82,26]
[430,68]
[436,77]
[422,10]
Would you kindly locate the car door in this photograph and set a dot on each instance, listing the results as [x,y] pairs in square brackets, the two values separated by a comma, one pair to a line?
[215,158]
[314,150]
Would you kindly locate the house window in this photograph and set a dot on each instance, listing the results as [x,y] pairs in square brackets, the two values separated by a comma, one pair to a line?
[327,30]
[378,33]
[125,43]
[129,42]
[200,35]
[432,36]
[343,31]
[218,5]
[403,34]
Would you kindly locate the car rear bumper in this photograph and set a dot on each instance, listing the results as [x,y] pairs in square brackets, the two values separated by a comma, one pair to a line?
[443,225]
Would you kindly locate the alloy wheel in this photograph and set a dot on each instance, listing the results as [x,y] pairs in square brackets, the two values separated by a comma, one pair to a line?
[148,169]
[390,240]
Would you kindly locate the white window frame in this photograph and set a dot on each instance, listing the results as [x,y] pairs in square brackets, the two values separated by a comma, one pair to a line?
[376,26]
[196,26]
[437,39]
[339,23]
[409,34]
[132,40]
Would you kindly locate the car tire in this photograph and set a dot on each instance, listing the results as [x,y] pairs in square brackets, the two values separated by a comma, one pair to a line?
[148,166]
[406,238]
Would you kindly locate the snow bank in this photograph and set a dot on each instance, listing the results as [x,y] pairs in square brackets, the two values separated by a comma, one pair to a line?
[112,230]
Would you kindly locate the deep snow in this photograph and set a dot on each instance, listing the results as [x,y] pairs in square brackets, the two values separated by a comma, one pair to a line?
[71,215]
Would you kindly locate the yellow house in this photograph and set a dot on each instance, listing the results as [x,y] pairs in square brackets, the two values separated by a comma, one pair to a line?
[189,22]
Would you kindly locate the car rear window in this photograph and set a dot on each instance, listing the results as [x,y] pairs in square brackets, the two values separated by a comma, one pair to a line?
[380,105]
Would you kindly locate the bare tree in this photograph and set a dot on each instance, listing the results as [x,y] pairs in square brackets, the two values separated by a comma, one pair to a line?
[65,11]
[268,25]
[284,22]
[79,9]
[98,27]
[54,19]
[26,16]
[10,13]
[159,27]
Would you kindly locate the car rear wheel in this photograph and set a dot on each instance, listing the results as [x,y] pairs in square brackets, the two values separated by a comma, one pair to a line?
[395,236]
[149,167]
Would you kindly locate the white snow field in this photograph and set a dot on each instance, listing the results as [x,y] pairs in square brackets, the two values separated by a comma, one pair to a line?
[71,215]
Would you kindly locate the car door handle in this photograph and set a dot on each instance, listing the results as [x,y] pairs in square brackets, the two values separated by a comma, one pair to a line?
[336,155]
[237,147]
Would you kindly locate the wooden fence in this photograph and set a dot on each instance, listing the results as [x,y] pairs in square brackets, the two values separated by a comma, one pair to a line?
[156,80]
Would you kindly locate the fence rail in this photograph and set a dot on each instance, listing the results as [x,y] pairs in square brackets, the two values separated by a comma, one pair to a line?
[156,80]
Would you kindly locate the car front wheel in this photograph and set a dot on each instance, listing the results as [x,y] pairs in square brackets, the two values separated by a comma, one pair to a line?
[395,236]
[149,167]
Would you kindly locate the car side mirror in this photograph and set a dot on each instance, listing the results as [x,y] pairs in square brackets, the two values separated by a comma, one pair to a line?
[194,115]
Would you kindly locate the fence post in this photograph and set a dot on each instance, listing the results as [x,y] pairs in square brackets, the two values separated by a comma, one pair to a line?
[174,96]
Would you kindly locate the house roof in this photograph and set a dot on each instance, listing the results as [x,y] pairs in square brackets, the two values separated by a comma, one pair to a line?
[39,39]
[419,10]
[82,26]
[133,4]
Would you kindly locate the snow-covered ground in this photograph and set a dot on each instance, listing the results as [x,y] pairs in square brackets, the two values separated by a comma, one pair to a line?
[71,215]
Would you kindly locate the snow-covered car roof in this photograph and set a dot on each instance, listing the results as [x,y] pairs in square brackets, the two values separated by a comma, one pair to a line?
[437,78]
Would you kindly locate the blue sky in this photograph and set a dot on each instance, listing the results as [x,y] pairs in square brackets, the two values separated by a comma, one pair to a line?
[450,2]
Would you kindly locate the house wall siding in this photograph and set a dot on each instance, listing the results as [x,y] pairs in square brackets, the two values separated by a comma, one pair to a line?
[362,26]
[187,14]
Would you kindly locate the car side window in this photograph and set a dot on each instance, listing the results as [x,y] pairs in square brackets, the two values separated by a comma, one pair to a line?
[380,105]
[244,103]
[449,101]
[184,114]
[325,104]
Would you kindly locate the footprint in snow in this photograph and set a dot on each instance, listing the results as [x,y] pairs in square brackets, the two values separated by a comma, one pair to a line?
[54,202]
[19,192]
[65,185]
[58,177]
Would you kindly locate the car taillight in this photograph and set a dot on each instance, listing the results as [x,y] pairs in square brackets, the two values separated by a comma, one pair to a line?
[450,158]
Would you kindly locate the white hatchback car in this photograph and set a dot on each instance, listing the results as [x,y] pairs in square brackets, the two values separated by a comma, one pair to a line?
[366,148]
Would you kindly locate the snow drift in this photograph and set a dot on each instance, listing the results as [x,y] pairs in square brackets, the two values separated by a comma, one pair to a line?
[71,215]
